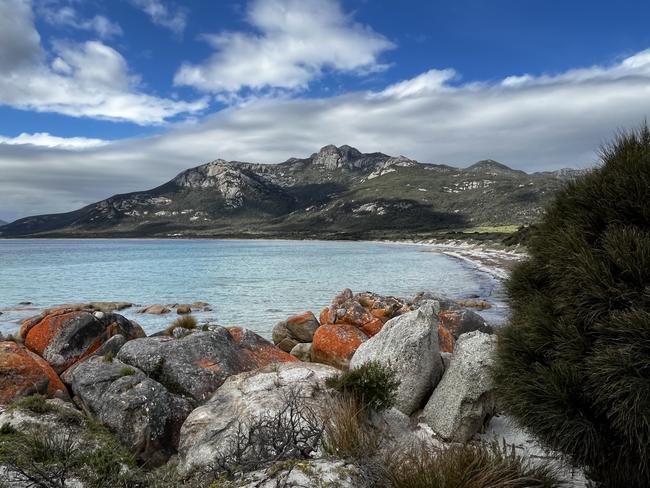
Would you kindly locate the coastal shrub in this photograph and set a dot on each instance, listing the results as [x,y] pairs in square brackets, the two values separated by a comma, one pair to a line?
[465,466]
[348,433]
[573,364]
[373,384]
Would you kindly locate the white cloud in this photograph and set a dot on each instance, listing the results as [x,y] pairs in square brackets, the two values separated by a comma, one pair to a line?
[295,41]
[56,13]
[82,80]
[45,139]
[544,122]
[172,18]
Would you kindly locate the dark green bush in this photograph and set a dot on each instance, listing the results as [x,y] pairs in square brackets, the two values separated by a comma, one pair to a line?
[573,364]
[373,384]
[465,466]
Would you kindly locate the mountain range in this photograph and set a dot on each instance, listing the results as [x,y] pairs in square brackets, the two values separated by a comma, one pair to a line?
[337,192]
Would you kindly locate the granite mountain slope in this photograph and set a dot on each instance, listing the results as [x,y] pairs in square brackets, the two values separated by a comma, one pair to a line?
[337,192]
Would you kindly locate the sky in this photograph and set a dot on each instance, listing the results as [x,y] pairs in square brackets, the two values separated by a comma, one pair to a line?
[105,97]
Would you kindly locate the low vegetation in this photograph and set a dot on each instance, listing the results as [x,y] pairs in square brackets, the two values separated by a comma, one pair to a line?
[465,466]
[187,322]
[373,385]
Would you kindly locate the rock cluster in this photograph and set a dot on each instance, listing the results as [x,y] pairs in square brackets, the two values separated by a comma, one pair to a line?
[195,394]
[352,319]
[141,387]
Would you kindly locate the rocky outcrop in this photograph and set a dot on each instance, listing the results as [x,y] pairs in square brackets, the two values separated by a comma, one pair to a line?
[209,429]
[197,364]
[142,413]
[156,309]
[295,330]
[335,344]
[464,398]
[23,373]
[302,351]
[62,337]
[409,345]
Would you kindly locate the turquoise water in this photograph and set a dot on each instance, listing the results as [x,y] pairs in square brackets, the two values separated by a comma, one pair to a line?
[249,283]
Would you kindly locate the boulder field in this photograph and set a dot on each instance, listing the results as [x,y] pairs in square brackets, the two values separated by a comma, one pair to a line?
[190,394]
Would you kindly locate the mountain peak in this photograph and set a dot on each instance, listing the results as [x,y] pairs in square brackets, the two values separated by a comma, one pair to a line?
[491,166]
[332,157]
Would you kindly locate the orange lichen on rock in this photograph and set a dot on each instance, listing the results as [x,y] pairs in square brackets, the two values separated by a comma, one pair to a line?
[256,351]
[324,317]
[300,318]
[446,341]
[373,327]
[39,335]
[24,373]
[335,344]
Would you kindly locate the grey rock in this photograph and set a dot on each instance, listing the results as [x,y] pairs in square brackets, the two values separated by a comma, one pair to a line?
[311,473]
[446,359]
[197,364]
[280,332]
[287,344]
[409,344]
[302,351]
[142,413]
[464,398]
[155,309]
[302,327]
[183,309]
[242,398]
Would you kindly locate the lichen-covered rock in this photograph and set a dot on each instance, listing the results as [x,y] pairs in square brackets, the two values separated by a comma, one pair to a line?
[464,398]
[302,351]
[63,337]
[210,428]
[197,364]
[23,373]
[140,411]
[335,344]
[409,345]
[256,351]
[302,327]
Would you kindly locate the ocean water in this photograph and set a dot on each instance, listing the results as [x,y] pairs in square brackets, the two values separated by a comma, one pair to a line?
[251,283]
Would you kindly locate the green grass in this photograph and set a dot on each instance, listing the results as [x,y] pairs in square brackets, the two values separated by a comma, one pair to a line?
[126,371]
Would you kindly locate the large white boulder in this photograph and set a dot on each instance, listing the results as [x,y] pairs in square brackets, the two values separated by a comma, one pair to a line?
[209,430]
[464,398]
[409,344]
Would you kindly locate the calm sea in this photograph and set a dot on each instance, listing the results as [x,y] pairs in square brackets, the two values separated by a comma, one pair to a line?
[252,283]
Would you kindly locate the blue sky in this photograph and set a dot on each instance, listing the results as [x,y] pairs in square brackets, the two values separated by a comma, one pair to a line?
[99,97]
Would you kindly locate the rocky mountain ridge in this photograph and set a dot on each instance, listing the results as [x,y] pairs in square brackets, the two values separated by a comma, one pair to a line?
[337,192]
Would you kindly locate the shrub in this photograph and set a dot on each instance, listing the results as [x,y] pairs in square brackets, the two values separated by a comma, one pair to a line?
[573,364]
[373,384]
[465,466]
[108,357]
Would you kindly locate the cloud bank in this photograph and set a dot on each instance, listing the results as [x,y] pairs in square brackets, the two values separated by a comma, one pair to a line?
[528,122]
